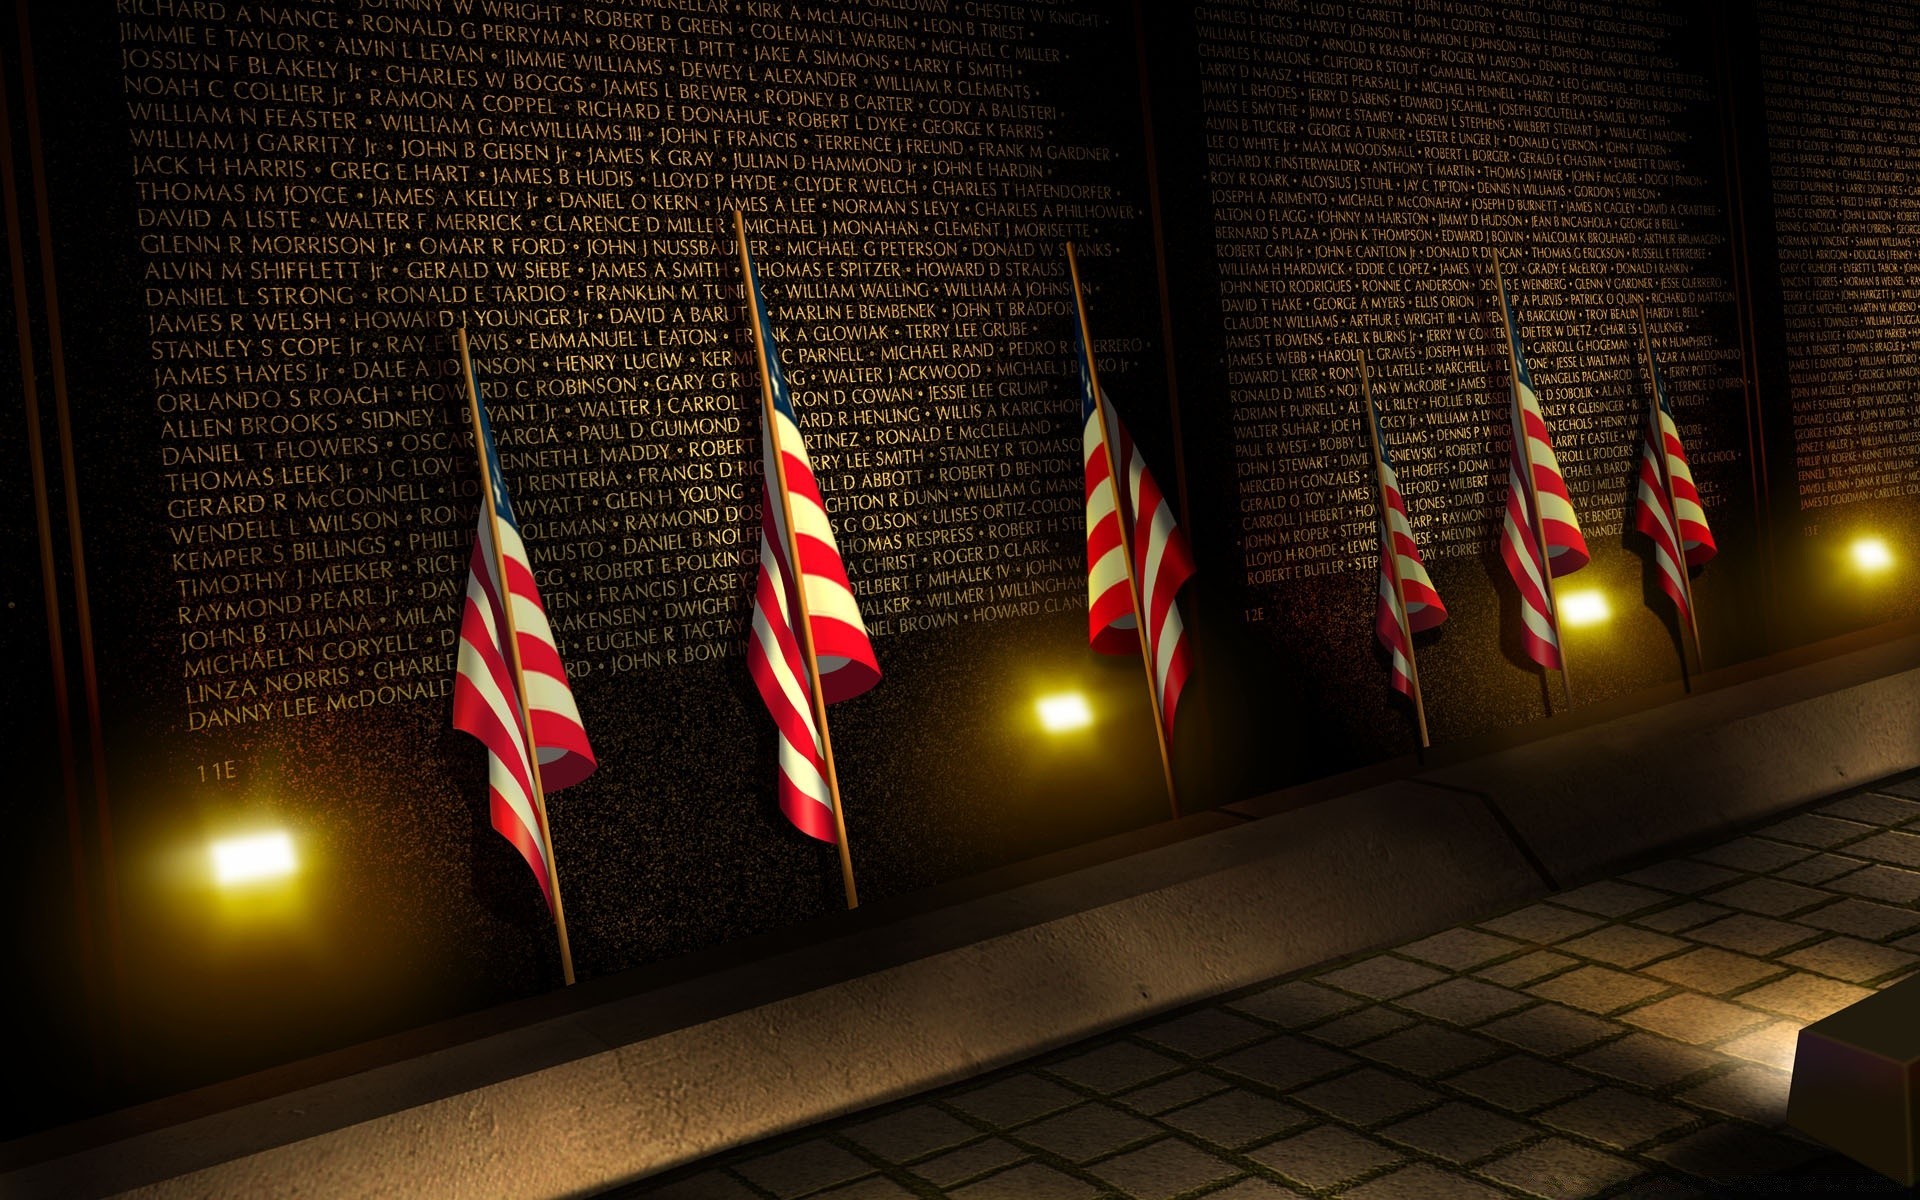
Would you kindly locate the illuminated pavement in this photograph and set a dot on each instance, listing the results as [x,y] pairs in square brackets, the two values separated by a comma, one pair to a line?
[1628,1038]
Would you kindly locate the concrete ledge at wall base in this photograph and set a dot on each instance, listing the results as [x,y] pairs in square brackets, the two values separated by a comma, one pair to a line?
[1596,802]
[585,1101]
[1262,898]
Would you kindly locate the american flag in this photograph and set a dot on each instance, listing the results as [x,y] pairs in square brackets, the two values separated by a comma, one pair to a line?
[1161,560]
[1559,529]
[775,658]
[1422,603]
[486,702]
[1679,529]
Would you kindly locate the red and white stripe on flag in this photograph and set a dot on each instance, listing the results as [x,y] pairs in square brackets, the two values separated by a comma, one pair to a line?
[1653,517]
[486,703]
[775,659]
[1162,563]
[1423,606]
[1678,531]
[1566,548]
[1539,634]
[1690,518]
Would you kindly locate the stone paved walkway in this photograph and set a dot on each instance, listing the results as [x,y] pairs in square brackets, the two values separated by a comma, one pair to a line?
[1628,1038]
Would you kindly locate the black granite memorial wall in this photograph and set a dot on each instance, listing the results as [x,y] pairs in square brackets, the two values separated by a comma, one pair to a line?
[265,221]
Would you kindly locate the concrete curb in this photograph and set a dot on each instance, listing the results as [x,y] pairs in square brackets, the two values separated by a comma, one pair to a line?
[582,1102]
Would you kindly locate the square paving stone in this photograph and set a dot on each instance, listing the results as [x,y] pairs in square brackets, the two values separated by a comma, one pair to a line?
[1770,1045]
[1851,959]
[1646,1060]
[1617,1118]
[1185,1088]
[1663,1187]
[1323,1157]
[1557,1169]
[1295,1004]
[1811,829]
[1900,849]
[1681,917]
[1610,898]
[1753,854]
[1236,1119]
[1694,1019]
[1730,1152]
[1751,934]
[1877,882]
[1460,949]
[1087,1132]
[969,1162]
[1863,918]
[1818,869]
[1430,1050]
[1757,1094]
[1808,997]
[708,1185]
[1908,787]
[1255,1189]
[1542,923]
[1770,897]
[876,1188]
[1114,1067]
[1522,1083]
[1285,1062]
[911,1133]
[1458,1132]
[1382,977]
[1465,1001]
[1551,1029]
[1163,1170]
[1362,1026]
[1365,1097]
[807,1167]
[1013,1100]
[1714,971]
[1528,968]
[1205,1033]
[1682,875]
[1421,1182]
[1034,1181]
[1873,809]
[1597,989]
[1623,945]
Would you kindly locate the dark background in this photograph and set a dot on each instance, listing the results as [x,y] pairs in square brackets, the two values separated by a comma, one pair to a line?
[410,909]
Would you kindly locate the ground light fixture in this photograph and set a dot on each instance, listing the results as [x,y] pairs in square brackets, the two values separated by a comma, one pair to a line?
[1063,712]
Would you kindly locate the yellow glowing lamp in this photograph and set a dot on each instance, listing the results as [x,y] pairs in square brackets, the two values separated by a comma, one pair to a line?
[1870,555]
[1064,711]
[253,858]
[1588,606]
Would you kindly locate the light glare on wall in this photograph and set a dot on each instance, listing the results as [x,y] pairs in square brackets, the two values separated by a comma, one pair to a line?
[1870,554]
[255,858]
[1064,711]
[1586,607]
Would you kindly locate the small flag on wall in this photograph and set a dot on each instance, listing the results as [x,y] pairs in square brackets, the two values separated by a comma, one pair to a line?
[510,687]
[1540,529]
[1137,558]
[809,646]
[1408,602]
[1666,503]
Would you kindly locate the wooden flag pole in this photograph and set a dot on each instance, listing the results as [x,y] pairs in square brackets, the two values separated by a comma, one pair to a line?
[1666,483]
[1390,549]
[513,657]
[1539,520]
[1120,512]
[771,425]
